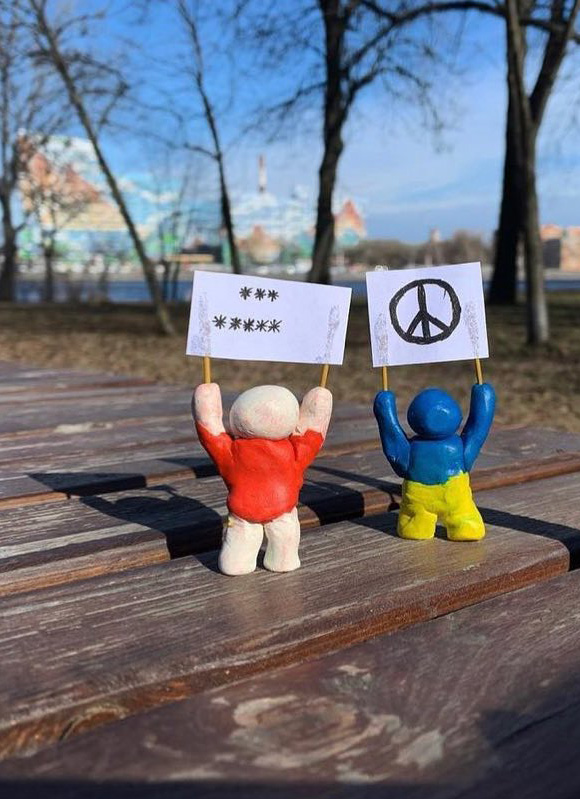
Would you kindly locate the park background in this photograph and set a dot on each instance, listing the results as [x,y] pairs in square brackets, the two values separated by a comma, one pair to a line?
[141,140]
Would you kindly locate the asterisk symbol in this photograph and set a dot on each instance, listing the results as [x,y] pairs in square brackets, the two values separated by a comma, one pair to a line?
[259,294]
[219,321]
[274,326]
[235,323]
[272,295]
[248,325]
[262,324]
[245,292]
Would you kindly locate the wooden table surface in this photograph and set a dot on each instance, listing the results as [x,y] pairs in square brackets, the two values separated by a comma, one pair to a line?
[131,667]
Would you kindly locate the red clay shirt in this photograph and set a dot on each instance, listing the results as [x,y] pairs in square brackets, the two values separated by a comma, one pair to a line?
[263,477]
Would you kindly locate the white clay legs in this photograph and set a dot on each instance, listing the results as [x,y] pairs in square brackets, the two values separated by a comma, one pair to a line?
[283,535]
[242,541]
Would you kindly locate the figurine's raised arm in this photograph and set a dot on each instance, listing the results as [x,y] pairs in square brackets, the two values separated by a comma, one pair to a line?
[393,439]
[315,412]
[478,422]
[312,426]
[208,416]
[207,408]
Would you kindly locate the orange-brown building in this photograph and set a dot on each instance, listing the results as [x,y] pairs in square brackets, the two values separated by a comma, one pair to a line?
[349,225]
[561,247]
[61,197]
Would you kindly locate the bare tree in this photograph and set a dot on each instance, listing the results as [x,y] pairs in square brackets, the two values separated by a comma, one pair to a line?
[519,218]
[187,14]
[26,102]
[82,75]
[54,193]
[341,48]
[175,176]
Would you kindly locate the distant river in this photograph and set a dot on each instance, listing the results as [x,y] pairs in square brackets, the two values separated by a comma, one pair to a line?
[136,290]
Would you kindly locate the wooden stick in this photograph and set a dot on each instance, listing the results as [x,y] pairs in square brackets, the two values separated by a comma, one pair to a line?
[206,369]
[478,371]
[385,377]
[324,375]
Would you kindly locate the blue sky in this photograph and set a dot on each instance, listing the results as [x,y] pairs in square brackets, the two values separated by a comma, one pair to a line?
[404,184]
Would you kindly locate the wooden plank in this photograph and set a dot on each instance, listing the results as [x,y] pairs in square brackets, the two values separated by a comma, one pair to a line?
[480,703]
[29,451]
[141,639]
[34,450]
[133,403]
[13,400]
[54,543]
[99,471]
[28,380]
[138,466]
[153,435]
[22,413]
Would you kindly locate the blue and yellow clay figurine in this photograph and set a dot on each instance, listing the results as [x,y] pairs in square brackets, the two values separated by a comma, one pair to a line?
[435,463]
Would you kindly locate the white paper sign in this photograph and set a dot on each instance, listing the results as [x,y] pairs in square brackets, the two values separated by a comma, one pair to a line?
[436,313]
[260,319]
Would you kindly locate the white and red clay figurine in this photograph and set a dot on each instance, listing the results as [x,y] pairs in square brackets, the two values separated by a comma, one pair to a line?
[262,459]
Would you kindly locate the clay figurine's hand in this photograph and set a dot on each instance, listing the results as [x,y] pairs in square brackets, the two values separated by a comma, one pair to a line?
[315,411]
[206,407]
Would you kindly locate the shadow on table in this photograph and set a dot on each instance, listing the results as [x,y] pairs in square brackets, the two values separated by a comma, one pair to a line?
[81,484]
[568,536]
[188,525]
[387,486]
[199,467]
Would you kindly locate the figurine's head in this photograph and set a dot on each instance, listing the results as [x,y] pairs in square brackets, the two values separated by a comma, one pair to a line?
[264,412]
[434,414]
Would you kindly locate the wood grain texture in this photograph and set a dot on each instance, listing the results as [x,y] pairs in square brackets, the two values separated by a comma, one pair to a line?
[57,542]
[126,458]
[28,379]
[131,461]
[132,641]
[138,402]
[478,704]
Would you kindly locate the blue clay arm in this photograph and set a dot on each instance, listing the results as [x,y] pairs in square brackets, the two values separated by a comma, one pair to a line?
[395,443]
[478,423]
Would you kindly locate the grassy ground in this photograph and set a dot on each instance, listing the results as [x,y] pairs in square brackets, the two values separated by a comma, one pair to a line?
[536,387]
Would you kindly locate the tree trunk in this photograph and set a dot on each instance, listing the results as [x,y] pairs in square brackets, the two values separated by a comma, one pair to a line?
[227,220]
[335,110]
[165,284]
[503,288]
[537,317]
[218,153]
[324,236]
[175,281]
[527,128]
[10,255]
[78,104]
[48,252]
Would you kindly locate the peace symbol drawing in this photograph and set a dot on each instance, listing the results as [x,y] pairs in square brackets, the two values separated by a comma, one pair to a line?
[425,327]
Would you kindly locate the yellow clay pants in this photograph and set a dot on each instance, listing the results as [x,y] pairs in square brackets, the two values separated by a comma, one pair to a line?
[450,503]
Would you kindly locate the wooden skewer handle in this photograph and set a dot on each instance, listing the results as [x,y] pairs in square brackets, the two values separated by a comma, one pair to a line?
[385,378]
[478,371]
[324,375]
[206,369]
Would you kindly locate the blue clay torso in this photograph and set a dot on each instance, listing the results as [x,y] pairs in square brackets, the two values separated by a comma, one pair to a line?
[433,462]
[437,452]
